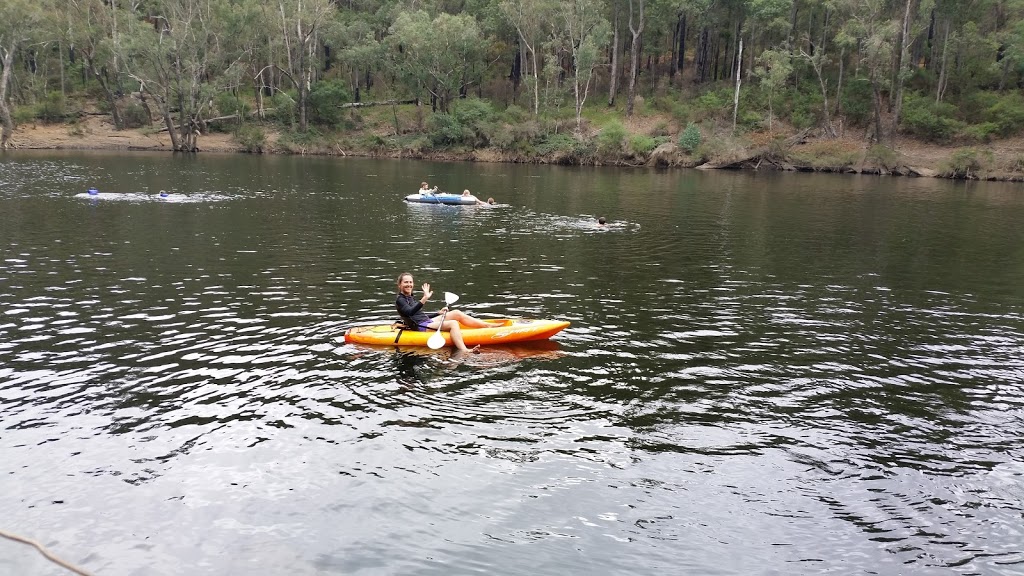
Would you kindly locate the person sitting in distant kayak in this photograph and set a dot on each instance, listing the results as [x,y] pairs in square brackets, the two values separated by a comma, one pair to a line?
[466,192]
[411,311]
[425,190]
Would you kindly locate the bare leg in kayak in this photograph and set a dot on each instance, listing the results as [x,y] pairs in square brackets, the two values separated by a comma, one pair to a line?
[454,328]
[468,321]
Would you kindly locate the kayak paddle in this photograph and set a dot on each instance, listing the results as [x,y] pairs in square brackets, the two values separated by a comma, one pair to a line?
[436,340]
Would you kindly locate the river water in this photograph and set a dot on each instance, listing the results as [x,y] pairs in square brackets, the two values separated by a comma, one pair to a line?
[765,373]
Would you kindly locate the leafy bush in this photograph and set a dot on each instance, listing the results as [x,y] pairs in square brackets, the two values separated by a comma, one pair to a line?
[857,101]
[1008,113]
[750,120]
[880,155]
[712,104]
[52,110]
[611,138]
[324,99]
[927,119]
[515,115]
[477,118]
[983,132]
[134,115]
[641,145]
[689,140]
[283,109]
[23,114]
[554,143]
[445,130]
[251,138]
[826,155]
[470,123]
[963,163]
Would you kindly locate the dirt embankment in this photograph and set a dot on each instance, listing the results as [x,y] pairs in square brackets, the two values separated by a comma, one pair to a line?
[1003,160]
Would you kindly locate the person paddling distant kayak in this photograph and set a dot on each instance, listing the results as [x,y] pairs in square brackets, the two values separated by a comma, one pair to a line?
[425,190]
[411,311]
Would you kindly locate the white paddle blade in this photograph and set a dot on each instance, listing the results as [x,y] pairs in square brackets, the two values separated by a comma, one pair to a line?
[450,298]
[435,341]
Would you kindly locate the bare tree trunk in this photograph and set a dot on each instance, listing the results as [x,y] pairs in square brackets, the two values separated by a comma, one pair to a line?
[634,55]
[940,87]
[900,59]
[879,135]
[681,56]
[613,73]
[108,93]
[5,79]
[736,97]
[169,122]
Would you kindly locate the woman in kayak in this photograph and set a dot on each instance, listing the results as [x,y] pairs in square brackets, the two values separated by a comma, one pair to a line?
[411,311]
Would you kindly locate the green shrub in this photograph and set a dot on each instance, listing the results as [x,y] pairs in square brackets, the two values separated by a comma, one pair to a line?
[518,137]
[23,114]
[445,130]
[750,120]
[611,138]
[712,104]
[251,138]
[927,119]
[963,163]
[983,132]
[478,121]
[1008,113]
[52,110]
[642,146]
[689,140]
[880,155]
[283,110]
[134,115]
[857,101]
[515,115]
[556,143]
[375,143]
[324,99]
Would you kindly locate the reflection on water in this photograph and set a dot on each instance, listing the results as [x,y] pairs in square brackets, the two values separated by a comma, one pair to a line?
[764,373]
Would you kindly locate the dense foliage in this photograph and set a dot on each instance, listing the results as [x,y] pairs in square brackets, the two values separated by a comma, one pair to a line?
[525,76]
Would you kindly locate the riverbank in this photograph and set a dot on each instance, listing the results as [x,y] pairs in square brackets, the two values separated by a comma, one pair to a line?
[1001,160]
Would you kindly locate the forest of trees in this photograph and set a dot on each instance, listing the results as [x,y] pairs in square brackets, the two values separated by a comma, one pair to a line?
[522,74]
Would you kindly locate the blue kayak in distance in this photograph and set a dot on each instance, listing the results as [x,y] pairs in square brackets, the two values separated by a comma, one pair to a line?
[442,198]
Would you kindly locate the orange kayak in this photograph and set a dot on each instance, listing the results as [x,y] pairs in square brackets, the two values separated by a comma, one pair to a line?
[505,331]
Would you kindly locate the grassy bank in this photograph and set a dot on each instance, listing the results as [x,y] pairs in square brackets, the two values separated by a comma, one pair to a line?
[473,131]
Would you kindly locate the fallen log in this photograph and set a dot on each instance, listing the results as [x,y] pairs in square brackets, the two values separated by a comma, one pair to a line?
[415,101]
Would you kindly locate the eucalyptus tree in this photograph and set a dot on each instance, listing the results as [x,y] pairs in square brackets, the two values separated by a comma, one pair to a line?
[90,26]
[436,54]
[172,57]
[867,27]
[909,29]
[773,67]
[18,21]
[248,34]
[636,30]
[1011,39]
[531,20]
[582,32]
[300,23]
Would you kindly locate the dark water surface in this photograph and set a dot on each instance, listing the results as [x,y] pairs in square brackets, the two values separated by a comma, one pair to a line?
[765,373]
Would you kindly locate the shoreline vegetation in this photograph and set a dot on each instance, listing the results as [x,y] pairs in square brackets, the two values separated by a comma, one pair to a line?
[783,151]
[887,87]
